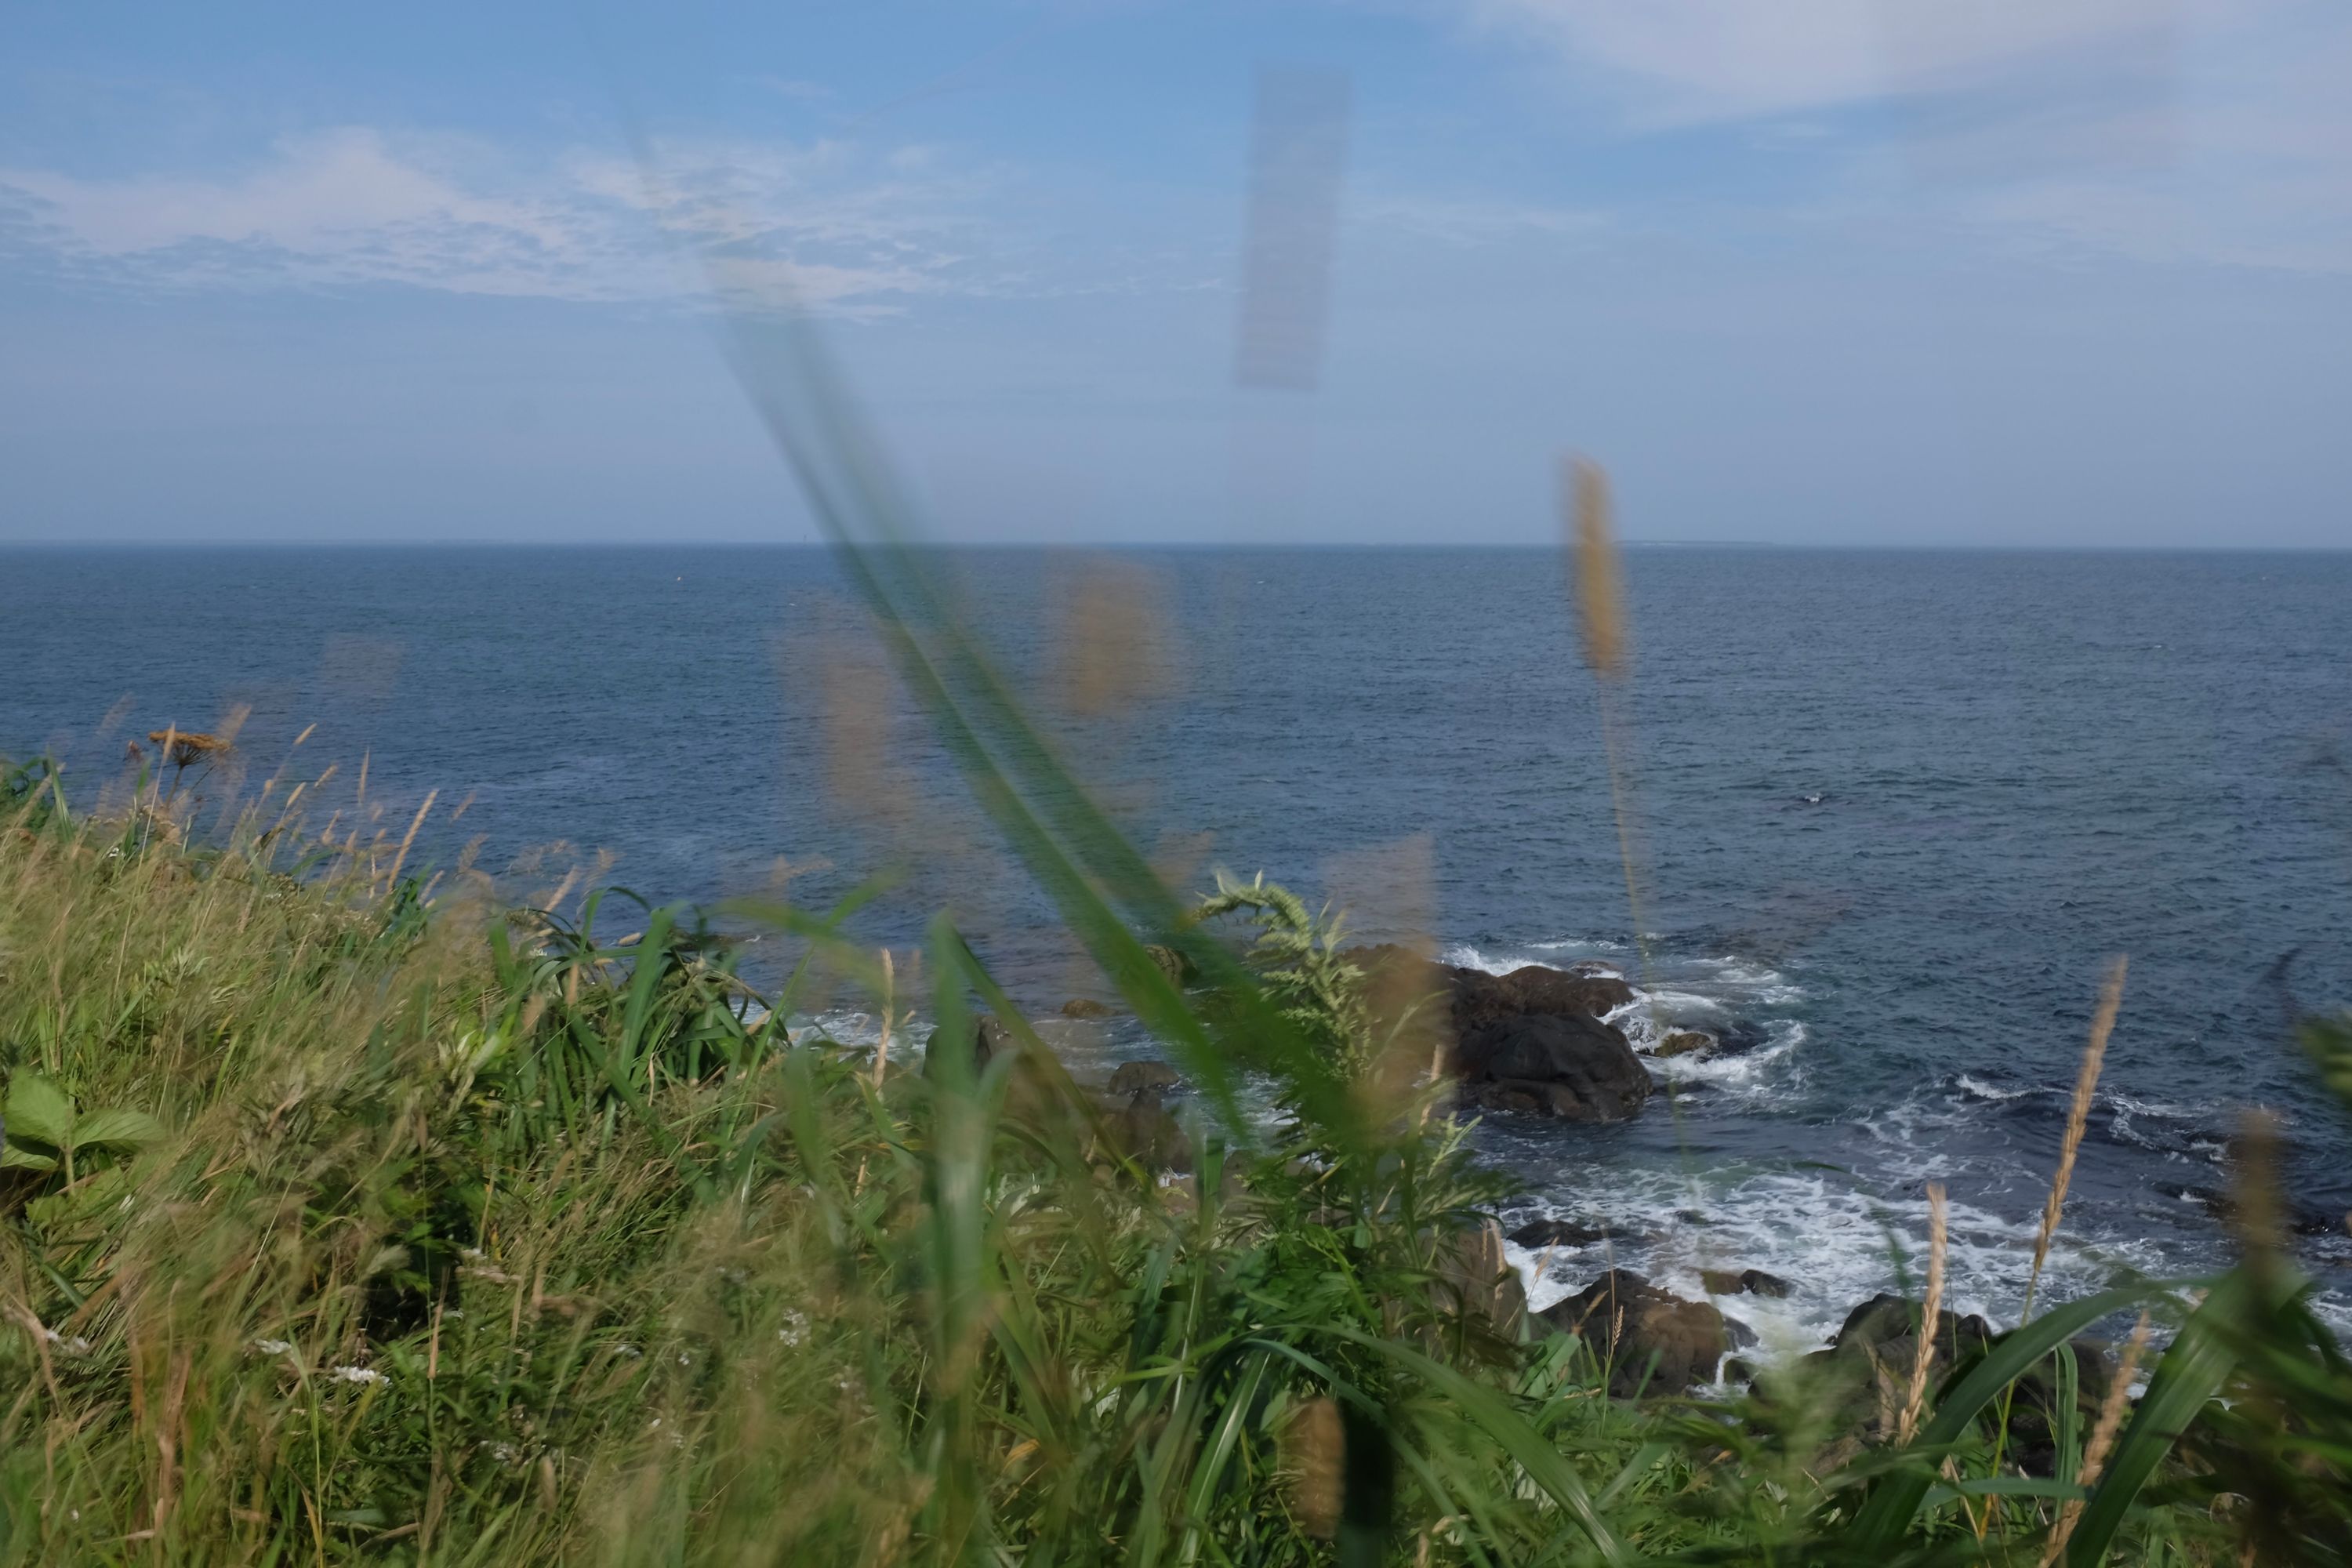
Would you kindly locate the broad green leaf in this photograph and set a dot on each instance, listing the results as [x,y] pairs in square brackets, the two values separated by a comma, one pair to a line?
[40,1110]
[2007,1486]
[117,1129]
[16,1157]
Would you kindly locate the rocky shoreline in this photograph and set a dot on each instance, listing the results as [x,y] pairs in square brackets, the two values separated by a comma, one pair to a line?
[1543,1042]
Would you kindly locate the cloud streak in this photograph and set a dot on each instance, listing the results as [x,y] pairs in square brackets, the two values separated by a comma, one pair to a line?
[826,227]
[1691,61]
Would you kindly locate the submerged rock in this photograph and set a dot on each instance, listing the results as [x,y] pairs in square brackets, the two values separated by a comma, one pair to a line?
[1085,1007]
[1684,1042]
[1739,1038]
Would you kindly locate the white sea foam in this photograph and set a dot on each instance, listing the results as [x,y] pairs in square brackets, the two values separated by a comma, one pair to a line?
[1832,1243]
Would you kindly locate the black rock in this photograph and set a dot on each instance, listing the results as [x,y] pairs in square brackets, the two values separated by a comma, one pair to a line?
[1131,1077]
[1536,1235]
[1578,1068]
[1739,1038]
[1651,1341]
[1145,1133]
[1747,1281]
[988,1038]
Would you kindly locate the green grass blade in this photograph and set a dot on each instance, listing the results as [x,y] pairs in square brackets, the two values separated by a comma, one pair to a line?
[1490,1414]
[2192,1373]
[1887,1514]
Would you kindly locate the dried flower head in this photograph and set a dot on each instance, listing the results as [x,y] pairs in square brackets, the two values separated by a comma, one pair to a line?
[1314,1450]
[1599,593]
[182,747]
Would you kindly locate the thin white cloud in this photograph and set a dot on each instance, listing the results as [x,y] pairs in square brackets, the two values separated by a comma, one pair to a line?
[1697,60]
[2189,132]
[825,226]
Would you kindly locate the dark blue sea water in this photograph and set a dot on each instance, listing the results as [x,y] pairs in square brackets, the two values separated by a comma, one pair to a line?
[1896,811]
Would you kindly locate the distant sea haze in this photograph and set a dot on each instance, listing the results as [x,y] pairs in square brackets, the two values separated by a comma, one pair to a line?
[1895,812]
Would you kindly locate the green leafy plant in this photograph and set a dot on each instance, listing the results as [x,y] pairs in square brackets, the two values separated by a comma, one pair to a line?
[42,1132]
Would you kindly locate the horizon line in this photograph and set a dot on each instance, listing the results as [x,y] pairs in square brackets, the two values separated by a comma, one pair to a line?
[640,546]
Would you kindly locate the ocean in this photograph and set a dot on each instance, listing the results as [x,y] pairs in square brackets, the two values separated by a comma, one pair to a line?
[1892,814]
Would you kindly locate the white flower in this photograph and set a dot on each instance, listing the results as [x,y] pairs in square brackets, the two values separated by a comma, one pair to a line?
[272,1347]
[632,1352]
[503,1453]
[795,1329]
[359,1374]
[76,1345]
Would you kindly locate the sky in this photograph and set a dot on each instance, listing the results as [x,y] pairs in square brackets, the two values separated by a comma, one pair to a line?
[1819,272]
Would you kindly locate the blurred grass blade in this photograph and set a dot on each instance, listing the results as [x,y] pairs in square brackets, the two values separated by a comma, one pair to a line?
[2192,1373]
[1489,1413]
[1104,888]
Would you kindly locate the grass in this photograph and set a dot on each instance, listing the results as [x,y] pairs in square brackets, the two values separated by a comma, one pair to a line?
[374,1230]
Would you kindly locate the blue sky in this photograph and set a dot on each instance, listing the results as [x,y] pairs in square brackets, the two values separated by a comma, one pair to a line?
[1822,271]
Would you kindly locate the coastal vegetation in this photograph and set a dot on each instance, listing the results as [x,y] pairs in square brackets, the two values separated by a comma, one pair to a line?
[349,1214]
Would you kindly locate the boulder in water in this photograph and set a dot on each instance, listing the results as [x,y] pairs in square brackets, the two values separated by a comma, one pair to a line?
[989,1037]
[1650,1341]
[1538,1234]
[1474,998]
[1480,998]
[1085,1007]
[1577,1069]
[1684,1042]
[1133,1077]
[1145,1133]
[1746,1282]
[1532,1040]
[1475,1274]
[1179,969]
[1865,1376]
